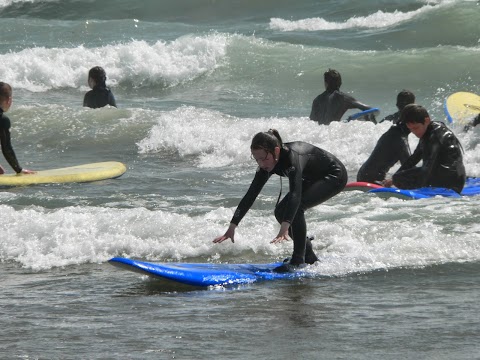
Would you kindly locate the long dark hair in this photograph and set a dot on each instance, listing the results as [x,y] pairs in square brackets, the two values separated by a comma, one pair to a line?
[98,75]
[267,141]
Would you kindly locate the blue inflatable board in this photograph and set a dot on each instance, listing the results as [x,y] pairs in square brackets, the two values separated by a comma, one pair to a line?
[206,274]
[367,114]
[472,188]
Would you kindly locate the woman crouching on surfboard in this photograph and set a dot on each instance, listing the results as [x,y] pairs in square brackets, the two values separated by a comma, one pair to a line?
[314,176]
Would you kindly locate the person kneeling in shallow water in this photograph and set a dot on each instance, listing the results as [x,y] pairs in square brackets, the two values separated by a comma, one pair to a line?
[314,176]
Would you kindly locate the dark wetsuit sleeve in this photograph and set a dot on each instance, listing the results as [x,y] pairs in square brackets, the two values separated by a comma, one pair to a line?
[476,121]
[7,148]
[86,100]
[111,99]
[261,177]
[403,150]
[355,104]
[413,159]
[314,113]
[431,162]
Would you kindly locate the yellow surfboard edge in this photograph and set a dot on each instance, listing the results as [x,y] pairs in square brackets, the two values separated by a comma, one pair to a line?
[79,173]
[462,107]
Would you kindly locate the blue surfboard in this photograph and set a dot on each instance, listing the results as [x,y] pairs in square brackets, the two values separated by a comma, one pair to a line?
[472,188]
[207,274]
[368,115]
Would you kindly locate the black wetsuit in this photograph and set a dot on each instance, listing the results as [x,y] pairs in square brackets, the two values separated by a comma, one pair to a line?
[98,97]
[331,105]
[391,147]
[476,121]
[442,166]
[314,176]
[7,148]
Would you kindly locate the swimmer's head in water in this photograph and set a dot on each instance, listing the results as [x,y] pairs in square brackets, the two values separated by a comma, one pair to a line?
[98,75]
[404,98]
[333,79]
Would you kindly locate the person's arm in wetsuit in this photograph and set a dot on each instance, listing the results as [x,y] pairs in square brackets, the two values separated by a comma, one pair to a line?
[358,105]
[476,121]
[111,99]
[87,102]
[260,179]
[352,103]
[409,163]
[430,162]
[404,150]
[413,159]
[7,150]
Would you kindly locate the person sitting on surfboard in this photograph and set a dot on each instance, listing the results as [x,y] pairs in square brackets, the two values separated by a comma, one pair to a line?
[332,104]
[6,99]
[100,95]
[440,152]
[314,176]
[391,147]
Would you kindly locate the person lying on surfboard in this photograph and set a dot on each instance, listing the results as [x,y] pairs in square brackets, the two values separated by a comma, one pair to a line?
[314,176]
[440,152]
[100,95]
[391,147]
[6,99]
[332,104]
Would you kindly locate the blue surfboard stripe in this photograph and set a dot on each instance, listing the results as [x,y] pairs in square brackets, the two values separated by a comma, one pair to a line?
[445,109]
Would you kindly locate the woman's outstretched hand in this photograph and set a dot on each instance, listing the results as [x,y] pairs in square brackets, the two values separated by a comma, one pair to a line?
[282,234]
[229,234]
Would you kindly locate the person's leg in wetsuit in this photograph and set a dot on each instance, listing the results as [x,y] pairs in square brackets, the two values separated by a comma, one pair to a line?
[408,179]
[313,194]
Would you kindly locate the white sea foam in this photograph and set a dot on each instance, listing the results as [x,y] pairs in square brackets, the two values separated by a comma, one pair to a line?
[5,3]
[378,19]
[222,140]
[137,62]
[354,233]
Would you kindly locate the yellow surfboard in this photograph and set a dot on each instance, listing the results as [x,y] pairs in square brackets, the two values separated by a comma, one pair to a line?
[462,107]
[80,173]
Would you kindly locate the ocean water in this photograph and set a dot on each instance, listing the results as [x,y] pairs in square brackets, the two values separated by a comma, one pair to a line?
[194,81]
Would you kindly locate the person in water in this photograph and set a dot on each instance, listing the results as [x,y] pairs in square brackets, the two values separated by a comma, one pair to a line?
[6,99]
[404,98]
[314,176]
[100,95]
[438,148]
[332,104]
[472,123]
[391,147]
